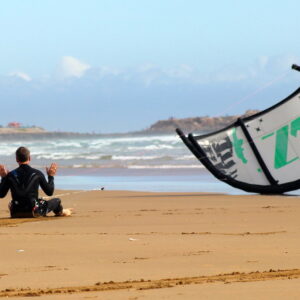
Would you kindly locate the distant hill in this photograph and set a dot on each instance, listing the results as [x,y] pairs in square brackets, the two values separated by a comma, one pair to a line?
[195,124]
[21,130]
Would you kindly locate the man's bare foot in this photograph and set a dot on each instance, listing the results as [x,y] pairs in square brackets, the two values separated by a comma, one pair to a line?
[66,212]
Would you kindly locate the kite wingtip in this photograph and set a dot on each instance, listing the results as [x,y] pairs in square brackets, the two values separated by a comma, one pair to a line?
[296,67]
[179,132]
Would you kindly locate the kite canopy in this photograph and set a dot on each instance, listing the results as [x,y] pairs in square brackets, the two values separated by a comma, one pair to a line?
[258,154]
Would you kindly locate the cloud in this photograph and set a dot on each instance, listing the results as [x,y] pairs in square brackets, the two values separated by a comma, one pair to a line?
[230,74]
[151,74]
[285,61]
[263,69]
[148,73]
[181,71]
[262,61]
[73,67]
[21,75]
[120,99]
[147,67]
[105,70]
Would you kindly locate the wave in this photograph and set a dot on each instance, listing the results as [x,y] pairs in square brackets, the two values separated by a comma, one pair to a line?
[151,147]
[68,156]
[167,167]
[56,156]
[115,152]
[143,157]
[75,166]
[185,157]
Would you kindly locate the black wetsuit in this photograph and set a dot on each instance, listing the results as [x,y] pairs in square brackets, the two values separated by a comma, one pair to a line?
[24,183]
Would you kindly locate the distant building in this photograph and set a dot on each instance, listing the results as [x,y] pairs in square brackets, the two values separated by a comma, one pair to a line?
[14,125]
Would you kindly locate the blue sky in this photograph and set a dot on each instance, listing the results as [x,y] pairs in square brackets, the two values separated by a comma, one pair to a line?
[109,66]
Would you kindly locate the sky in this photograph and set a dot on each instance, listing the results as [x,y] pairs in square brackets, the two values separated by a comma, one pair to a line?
[117,66]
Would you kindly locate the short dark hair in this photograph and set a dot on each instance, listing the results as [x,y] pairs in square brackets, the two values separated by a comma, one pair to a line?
[22,154]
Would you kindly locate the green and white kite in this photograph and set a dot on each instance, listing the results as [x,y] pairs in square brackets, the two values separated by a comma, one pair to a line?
[258,154]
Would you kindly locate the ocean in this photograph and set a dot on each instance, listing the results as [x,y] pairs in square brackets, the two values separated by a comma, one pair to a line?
[136,152]
[139,163]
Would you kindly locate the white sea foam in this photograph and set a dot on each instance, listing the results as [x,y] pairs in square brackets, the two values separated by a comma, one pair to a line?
[120,157]
[92,157]
[57,155]
[185,157]
[167,167]
[77,166]
[142,151]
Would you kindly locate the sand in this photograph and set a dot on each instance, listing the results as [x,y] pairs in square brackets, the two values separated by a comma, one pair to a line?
[138,245]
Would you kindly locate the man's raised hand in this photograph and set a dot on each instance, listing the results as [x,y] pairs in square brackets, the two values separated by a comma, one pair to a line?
[3,171]
[51,171]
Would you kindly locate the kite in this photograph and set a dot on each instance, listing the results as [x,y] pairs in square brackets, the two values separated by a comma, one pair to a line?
[259,153]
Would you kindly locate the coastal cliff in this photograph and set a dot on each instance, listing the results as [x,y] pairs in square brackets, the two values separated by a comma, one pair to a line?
[196,124]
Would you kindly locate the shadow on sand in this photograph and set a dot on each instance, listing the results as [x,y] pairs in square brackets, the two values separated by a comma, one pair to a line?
[10,222]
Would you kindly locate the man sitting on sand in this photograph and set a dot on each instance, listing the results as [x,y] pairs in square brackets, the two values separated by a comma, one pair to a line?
[24,183]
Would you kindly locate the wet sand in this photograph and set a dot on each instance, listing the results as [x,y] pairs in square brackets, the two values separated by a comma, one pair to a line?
[138,245]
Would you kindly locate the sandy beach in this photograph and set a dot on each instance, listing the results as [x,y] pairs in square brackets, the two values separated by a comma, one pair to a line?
[140,245]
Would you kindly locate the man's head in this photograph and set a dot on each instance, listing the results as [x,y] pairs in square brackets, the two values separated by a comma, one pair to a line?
[22,155]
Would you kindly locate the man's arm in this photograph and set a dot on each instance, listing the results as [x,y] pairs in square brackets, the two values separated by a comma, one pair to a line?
[4,186]
[48,187]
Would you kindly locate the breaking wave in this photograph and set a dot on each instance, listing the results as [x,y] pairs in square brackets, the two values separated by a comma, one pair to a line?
[126,152]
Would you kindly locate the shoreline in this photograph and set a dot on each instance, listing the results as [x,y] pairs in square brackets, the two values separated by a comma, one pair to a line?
[147,180]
